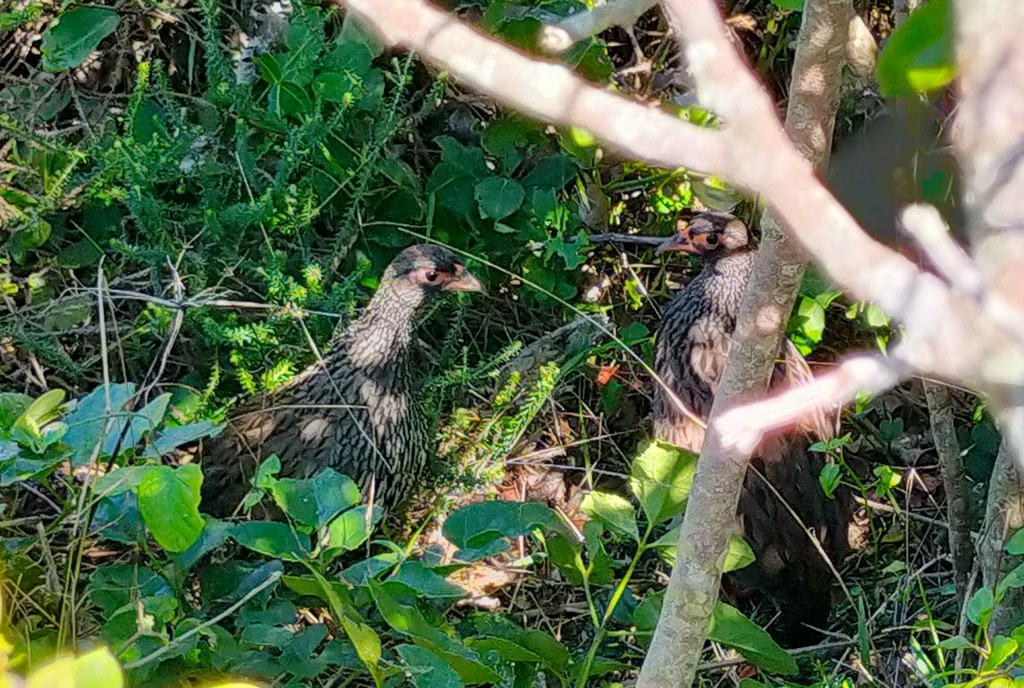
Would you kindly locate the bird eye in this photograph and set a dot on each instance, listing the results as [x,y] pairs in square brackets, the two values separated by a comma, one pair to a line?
[712,239]
[431,276]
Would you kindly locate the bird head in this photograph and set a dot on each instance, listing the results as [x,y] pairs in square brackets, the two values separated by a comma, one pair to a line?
[708,234]
[431,269]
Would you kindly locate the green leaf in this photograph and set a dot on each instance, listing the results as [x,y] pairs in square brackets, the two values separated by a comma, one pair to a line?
[213,536]
[169,504]
[738,555]
[335,88]
[829,479]
[477,525]
[28,238]
[95,669]
[425,582]
[272,539]
[1002,649]
[12,405]
[1015,545]
[363,638]
[427,669]
[957,642]
[408,620]
[170,439]
[353,31]
[661,478]
[41,411]
[980,607]
[919,55]
[538,643]
[270,68]
[730,628]
[795,5]
[350,530]
[69,42]
[614,511]
[292,99]
[315,501]
[498,197]
[1012,580]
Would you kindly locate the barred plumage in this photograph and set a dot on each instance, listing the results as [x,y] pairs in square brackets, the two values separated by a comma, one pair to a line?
[358,411]
[692,345]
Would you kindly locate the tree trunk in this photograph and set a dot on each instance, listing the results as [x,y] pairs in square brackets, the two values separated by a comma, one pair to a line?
[711,513]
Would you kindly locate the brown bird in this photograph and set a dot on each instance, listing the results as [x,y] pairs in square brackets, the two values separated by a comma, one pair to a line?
[692,345]
[357,411]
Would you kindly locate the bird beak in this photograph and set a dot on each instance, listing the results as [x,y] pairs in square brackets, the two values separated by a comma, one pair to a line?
[465,281]
[679,243]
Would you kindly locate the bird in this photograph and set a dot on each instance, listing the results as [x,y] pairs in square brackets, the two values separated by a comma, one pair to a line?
[358,409]
[691,347]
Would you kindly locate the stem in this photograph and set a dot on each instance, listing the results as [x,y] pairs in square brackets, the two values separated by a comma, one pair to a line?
[581,680]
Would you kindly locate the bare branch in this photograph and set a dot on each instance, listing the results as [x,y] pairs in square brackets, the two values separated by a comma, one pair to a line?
[557,38]
[940,414]
[547,91]
[924,224]
[743,427]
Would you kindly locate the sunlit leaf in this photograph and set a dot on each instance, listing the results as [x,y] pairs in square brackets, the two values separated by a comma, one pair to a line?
[732,629]
[919,55]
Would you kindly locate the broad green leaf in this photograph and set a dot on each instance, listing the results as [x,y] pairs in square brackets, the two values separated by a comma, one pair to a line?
[829,479]
[353,31]
[214,534]
[40,412]
[363,638]
[537,642]
[795,5]
[408,620]
[498,197]
[1002,649]
[957,642]
[292,99]
[1015,545]
[919,55]
[477,525]
[169,504]
[730,628]
[272,539]
[69,42]
[427,669]
[661,478]
[425,581]
[335,88]
[351,529]
[315,501]
[1012,580]
[980,607]
[170,439]
[269,68]
[614,511]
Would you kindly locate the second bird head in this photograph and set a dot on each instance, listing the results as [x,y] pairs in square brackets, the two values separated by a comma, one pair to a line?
[429,270]
[710,233]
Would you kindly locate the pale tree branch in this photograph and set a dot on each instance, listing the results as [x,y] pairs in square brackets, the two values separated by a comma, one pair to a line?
[710,514]
[940,414]
[557,38]
[743,427]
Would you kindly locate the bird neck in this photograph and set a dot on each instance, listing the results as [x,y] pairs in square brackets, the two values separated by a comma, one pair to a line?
[383,334]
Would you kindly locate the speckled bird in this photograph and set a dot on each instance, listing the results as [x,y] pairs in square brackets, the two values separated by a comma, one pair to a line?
[357,411]
[692,345]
